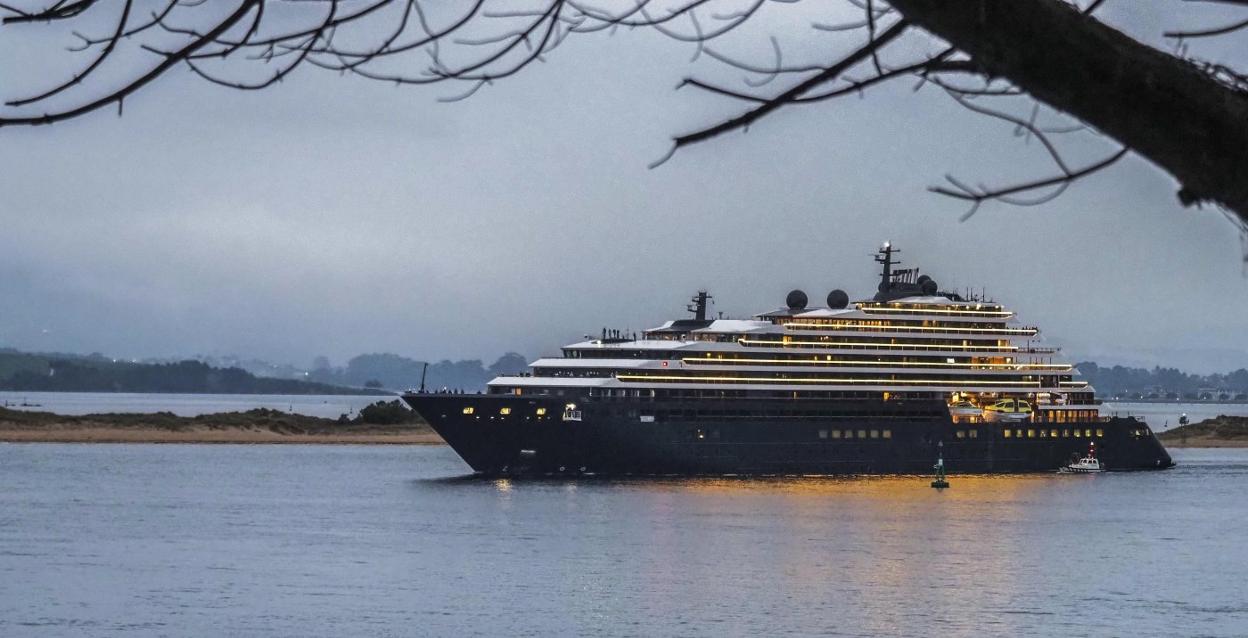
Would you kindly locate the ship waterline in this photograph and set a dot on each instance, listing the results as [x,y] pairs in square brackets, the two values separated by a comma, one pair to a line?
[879,386]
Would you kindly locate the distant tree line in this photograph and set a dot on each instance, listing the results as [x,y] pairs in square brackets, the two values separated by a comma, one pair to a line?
[400,373]
[364,374]
[370,373]
[20,371]
[1165,383]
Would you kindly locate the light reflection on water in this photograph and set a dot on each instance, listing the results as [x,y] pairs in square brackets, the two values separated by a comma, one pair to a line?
[334,541]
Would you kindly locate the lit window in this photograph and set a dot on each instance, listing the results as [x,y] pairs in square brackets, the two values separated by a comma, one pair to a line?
[862,434]
[1100,433]
[1031,434]
[1018,434]
[541,412]
[875,434]
[1052,434]
[888,434]
[1078,433]
[849,434]
[469,410]
[1065,434]
[823,434]
[1007,433]
[961,434]
[1087,433]
[836,434]
[974,434]
[504,411]
[1044,434]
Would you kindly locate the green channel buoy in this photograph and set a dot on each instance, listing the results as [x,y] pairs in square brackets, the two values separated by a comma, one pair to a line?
[940,482]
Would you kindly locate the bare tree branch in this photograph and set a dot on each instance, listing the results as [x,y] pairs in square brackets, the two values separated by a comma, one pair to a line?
[58,11]
[1189,117]
[118,95]
[827,75]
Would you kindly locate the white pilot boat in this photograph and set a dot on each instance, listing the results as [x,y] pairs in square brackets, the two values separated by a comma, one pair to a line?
[1089,464]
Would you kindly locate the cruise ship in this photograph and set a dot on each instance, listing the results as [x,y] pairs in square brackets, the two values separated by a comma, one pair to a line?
[886,385]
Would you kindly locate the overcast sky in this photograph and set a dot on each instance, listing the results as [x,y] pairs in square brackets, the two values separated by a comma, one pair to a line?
[336,216]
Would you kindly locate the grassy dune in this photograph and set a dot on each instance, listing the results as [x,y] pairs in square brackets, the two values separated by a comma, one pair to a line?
[1220,431]
[253,426]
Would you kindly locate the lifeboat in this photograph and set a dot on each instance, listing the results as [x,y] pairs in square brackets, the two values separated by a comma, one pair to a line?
[964,408]
[1009,410]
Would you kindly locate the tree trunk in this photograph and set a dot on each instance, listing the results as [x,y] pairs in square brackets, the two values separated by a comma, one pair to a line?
[1162,107]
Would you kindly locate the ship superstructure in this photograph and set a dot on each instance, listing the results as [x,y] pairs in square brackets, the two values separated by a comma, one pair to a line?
[908,368]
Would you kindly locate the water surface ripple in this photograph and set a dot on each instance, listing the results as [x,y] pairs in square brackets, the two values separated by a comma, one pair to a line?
[223,540]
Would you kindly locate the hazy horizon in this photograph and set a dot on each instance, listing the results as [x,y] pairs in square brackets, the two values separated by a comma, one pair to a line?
[333,216]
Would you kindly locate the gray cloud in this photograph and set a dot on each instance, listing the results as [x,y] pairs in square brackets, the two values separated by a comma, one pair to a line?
[339,216]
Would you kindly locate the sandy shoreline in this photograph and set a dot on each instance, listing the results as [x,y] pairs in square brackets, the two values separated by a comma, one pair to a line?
[391,424]
[73,433]
[236,437]
[1194,442]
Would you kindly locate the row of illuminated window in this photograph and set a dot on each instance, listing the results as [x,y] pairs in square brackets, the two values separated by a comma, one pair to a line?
[849,376]
[656,394]
[916,358]
[861,434]
[1043,433]
[812,323]
[503,411]
[882,343]
[914,344]
[984,311]
[879,326]
[1021,381]
[882,362]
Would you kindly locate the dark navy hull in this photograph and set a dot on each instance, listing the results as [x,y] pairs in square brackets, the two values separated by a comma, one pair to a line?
[509,435]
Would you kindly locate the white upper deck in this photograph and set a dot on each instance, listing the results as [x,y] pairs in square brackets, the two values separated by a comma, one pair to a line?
[908,338]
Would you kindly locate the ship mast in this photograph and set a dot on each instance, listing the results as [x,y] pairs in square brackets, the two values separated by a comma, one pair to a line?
[885,258]
[698,307]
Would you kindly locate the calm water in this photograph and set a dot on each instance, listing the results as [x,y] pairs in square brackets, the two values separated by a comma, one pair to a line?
[187,540]
[328,406]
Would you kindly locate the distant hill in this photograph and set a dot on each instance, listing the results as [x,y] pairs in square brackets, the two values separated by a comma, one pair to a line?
[55,372]
[1164,383]
[400,373]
